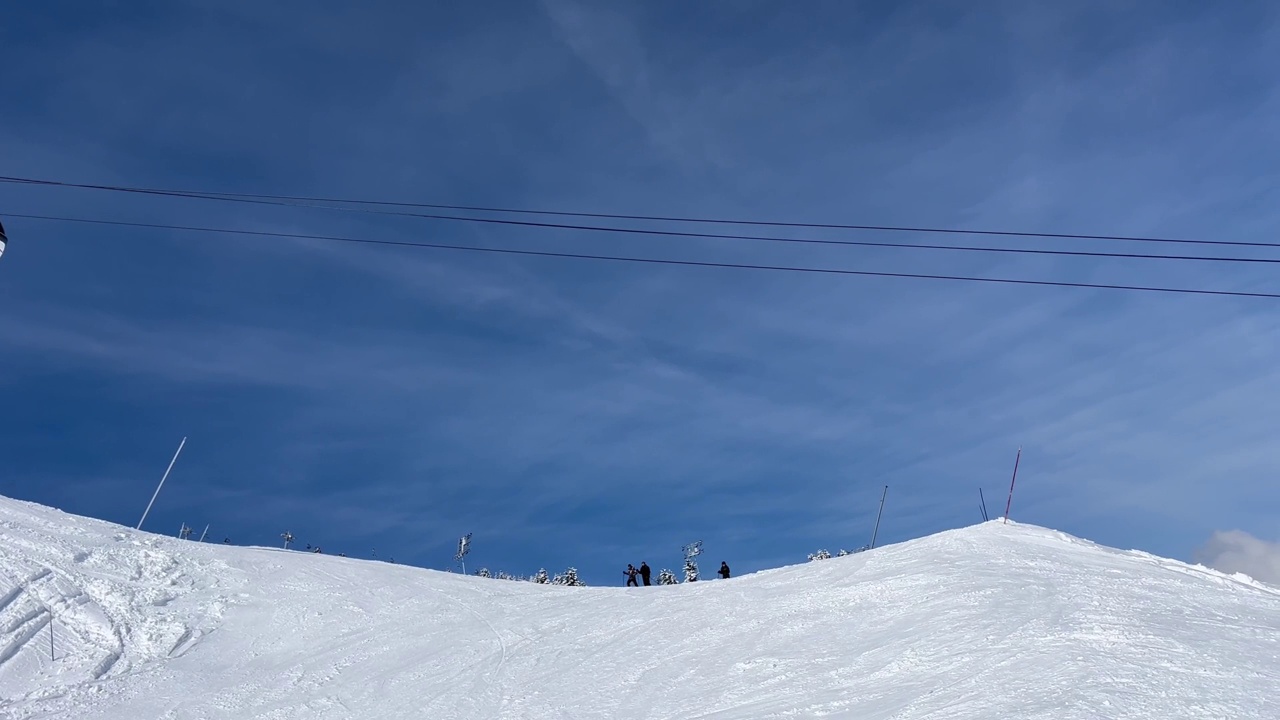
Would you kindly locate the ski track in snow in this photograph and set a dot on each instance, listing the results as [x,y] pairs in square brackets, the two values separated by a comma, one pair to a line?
[990,620]
[109,594]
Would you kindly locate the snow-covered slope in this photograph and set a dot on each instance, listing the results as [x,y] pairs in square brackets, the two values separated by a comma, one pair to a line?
[995,620]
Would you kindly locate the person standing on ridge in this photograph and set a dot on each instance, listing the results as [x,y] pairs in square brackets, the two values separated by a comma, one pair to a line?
[630,572]
[644,572]
[724,570]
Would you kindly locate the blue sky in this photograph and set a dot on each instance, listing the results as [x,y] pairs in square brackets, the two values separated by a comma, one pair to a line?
[576,412]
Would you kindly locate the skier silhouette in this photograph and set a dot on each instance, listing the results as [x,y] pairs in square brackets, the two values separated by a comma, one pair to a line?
[644,572]
[724,570]
[630,572]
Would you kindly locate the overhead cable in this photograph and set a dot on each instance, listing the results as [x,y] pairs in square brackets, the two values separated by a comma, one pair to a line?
[653,261]
[367,206]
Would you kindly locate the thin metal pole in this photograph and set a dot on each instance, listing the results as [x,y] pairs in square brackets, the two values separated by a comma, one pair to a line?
[51,657]
[206,532]
[984,505]
[877,530]
[1011,482]
[157,492]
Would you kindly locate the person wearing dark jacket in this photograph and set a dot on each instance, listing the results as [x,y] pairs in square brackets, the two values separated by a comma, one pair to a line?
[630,572]
[644,572]
[724,570]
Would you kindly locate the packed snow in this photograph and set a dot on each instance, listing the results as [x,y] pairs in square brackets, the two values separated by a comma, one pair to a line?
[994,620]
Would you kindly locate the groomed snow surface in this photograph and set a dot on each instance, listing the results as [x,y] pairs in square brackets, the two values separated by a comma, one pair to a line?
[990,621]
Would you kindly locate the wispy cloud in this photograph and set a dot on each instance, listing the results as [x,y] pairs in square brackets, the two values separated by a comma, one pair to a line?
[211,353]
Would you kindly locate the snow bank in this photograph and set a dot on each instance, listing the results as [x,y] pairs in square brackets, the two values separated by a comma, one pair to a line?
[1007,620]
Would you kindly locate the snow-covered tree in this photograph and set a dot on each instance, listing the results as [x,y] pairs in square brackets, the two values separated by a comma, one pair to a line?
[691,551]
[690,570]
[568,577]
[820,555]
[666,577]
[842,552]
[541,577]
[484,573]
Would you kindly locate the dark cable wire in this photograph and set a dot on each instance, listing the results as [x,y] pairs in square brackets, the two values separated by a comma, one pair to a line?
[292,200]
[654,261]
[719,236]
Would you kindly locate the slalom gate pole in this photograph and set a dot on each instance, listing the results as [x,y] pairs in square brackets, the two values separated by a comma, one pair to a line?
[157,492]
[876,532]
[1011,482]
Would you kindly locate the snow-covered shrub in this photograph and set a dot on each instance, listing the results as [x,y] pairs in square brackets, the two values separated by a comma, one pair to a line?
[820,555]
[666,577]
[484,573]
[541,577]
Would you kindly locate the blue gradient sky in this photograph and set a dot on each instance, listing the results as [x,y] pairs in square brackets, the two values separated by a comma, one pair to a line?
[573,412]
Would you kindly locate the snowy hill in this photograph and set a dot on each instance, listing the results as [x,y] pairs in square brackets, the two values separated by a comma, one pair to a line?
[989,621]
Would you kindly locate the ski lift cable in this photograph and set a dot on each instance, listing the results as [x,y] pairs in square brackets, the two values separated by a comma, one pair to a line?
[854,243]
[660,261]
[368,206]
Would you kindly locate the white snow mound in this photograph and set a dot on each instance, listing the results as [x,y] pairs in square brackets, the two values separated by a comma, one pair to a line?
[993,620]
